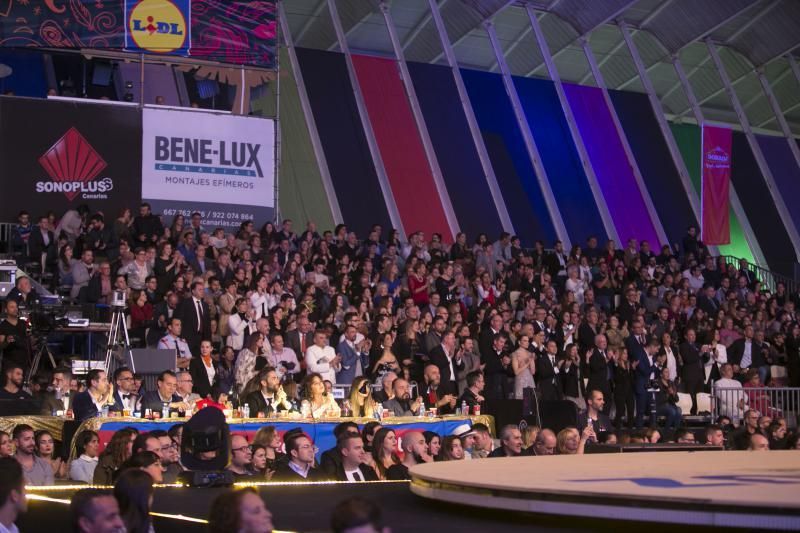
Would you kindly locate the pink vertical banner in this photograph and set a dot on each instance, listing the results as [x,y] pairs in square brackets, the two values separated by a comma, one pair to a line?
[715,199]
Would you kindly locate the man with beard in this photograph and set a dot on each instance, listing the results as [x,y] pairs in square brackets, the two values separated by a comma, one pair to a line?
[401,404]
[472,395]
[12,494]
[445,403]
[12,388]
[37,471]
[270,398]
[415,451]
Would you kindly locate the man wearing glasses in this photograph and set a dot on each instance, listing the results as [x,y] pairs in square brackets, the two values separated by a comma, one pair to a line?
[740,438]
[126,399]
[301,451]
[185,385]
[241,457]
[169,454]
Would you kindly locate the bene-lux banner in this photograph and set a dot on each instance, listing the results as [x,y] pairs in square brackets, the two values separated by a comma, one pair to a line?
[220,165]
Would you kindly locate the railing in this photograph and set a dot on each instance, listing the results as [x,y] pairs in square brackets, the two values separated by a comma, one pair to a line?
[768,278]
[775,402]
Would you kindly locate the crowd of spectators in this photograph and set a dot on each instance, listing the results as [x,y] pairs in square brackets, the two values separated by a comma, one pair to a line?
[272,320]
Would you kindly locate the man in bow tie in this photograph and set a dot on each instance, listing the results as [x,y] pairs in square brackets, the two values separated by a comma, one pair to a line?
[60,396]
[125,393]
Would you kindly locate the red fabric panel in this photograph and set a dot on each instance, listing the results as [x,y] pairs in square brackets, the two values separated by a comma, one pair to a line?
[717,143]
[401,147]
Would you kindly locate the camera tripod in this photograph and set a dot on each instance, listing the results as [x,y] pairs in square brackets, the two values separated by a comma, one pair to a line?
[41,350]
[118,339]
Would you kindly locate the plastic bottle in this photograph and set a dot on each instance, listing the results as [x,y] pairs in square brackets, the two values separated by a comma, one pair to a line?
[464,409]
[165,410]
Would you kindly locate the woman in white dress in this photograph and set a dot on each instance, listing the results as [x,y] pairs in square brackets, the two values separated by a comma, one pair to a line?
[316,402]
[575,284]
[524,365]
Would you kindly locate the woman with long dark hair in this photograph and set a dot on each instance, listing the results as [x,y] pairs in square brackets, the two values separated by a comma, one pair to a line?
[316,402]
[115,453]
[134,493]
[246,361]
[384,451]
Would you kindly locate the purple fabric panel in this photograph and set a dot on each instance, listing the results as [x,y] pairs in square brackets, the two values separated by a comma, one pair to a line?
[784,170]
[614,174]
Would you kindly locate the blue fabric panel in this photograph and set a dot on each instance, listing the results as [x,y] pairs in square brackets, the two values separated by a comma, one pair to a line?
[759,208]
[655,163]
[512,166]
[343,140]
[455,150]
[27,73]
[560,158]
[785,171]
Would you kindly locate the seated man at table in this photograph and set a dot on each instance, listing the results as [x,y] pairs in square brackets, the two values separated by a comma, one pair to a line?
[125,397]
[351,454]
[300,467]
[60,397]
[270,398]
[184,389]
[473,394]
[89,403]
[401,404]
[444,403]
[12,387]
[167,384]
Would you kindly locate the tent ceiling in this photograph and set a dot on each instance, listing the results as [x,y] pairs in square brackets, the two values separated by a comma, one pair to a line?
[751,33]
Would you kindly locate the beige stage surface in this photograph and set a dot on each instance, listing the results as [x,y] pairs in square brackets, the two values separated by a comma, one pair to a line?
[728,489]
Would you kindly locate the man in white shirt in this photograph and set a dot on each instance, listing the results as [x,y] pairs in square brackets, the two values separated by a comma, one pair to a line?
[173,341]
[321,358]
[185,386]
[258,300]
[12,487]
[731,399]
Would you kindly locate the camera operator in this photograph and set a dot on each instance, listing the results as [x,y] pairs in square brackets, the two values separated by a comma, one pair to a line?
[14,339]
[23,293]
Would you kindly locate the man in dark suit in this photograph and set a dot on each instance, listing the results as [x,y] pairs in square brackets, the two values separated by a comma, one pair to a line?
[331,460]
[42,242]
[498,369]
[547,370]
[746,353]
[646,372]
[431,394]
[201,264]
[707,300]
[629,307]
[352,468]
[60,398]
[636,341]
[195,317]
[449,362]
[300,338]
[600,369]
[486,338]
[166,386]
[125,397]
[88,404]
[300,466]
[692,372]
[102,239]
[270,398]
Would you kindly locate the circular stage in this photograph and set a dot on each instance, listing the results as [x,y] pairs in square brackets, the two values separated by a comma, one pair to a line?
[716,489]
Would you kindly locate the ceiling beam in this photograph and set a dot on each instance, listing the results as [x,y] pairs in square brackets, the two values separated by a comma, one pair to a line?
[785,112]
[313,18]
[754,19]
[420,25]
[353,28]
[463,37]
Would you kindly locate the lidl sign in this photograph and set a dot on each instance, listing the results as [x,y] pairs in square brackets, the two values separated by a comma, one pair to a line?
[158,26]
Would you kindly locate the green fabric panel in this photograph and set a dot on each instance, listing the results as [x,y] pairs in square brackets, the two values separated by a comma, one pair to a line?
[301,196]
[689,142]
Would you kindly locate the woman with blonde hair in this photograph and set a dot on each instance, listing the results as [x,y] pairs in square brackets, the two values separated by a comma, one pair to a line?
[570,442]
[361,401]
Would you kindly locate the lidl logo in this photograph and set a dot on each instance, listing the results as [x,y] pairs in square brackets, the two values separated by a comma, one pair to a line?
[160,26]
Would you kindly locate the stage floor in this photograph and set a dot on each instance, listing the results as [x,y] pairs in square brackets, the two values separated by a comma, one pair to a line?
[716,489]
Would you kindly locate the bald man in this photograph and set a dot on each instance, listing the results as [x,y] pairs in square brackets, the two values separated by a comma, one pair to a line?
[433,396]
[415,451]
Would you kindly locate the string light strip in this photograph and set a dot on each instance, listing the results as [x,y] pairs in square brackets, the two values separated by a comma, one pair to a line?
[239,484]
[38,497]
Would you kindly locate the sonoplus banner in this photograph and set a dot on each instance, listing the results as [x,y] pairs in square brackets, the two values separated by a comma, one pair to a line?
[220,165]
[58,155]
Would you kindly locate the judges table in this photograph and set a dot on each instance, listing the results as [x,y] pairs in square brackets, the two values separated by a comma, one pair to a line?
[321,431]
